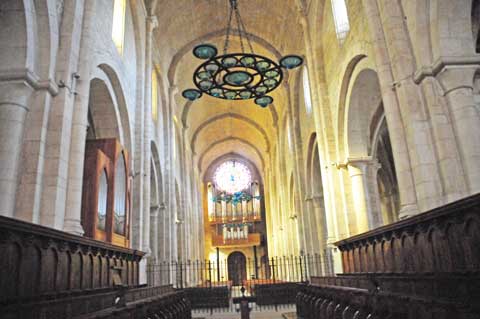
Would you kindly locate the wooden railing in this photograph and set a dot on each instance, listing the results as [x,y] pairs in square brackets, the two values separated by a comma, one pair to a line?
[40,262]
[46,273]
[150,302]
[427,266]
[441,240]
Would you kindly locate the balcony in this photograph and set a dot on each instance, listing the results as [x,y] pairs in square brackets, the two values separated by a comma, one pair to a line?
[250,218]
[253,240]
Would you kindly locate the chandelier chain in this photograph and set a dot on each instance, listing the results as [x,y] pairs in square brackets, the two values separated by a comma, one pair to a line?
[246,33]
[240,31]
[240,75]
[229,27]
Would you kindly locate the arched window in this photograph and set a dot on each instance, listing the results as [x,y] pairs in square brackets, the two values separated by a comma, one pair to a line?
[102,201]
[119,212]
[118,25]
[340,17]
[154,95]
[307,95]
[289,138]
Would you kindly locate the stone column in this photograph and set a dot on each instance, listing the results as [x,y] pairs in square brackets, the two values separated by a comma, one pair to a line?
[154,232]
[151,25]
[154,276]
[14,105]
[72,221]
[408,197]
[364,201]
[162,233]
[457,84]
[320,222]
[309,224]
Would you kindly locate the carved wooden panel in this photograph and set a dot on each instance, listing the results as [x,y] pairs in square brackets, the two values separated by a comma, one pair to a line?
[38,262]
[423,267]
[442,240]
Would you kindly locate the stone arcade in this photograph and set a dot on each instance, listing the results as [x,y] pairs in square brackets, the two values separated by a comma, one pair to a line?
[355,194]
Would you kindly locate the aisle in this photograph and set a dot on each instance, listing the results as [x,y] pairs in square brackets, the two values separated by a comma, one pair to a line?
[254,315]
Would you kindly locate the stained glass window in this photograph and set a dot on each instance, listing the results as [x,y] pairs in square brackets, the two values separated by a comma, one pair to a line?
[232,177]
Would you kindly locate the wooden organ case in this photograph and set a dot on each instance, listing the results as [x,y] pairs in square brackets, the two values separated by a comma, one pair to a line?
[106,196]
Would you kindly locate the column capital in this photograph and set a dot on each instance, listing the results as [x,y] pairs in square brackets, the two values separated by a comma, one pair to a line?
[354,161]
[441,63]
[454,77]
[361,165]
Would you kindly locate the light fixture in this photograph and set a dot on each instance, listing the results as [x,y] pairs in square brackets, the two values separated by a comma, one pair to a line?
[237,76]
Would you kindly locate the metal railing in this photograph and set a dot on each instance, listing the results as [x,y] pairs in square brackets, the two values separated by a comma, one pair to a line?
[214,285]
[214,273]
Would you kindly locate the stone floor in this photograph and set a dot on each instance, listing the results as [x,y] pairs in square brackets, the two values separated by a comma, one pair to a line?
[288,313]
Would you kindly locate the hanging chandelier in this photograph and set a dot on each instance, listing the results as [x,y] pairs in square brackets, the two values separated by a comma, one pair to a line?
[237,76]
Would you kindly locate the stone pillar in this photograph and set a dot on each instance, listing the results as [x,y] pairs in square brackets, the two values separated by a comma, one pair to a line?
[72,221]
[148,132]
[320,222]
[154,276]
[366,212]
[162,233]
[457,84]
[407,192]
[154,232]
[14,105]
[314,231]
[310,229]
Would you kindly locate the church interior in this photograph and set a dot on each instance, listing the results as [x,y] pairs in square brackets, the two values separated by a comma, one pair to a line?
[172,159]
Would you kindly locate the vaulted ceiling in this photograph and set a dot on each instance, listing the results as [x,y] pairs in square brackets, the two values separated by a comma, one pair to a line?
[215,127]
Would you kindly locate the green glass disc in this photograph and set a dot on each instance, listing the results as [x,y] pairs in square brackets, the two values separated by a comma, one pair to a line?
[291,61]
[230,95]
[247,61]
[229,62]
[191,94]
[245,95]
[216,92]
[204,75]
[238,78]
[264,101]
[261,90]
[262,66]
[205,51]
[271,74]
[212,68]
[205,85]
[270,83]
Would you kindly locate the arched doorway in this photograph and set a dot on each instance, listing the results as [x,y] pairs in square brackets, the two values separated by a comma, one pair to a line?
[237,268]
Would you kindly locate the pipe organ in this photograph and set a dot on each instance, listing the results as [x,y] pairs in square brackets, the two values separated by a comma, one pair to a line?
[235,232]
[239,206]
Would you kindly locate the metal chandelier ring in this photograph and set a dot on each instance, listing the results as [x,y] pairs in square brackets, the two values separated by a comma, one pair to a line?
[238,76]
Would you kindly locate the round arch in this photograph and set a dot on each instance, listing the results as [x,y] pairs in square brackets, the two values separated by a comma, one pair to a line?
[221,117]
[362,103]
